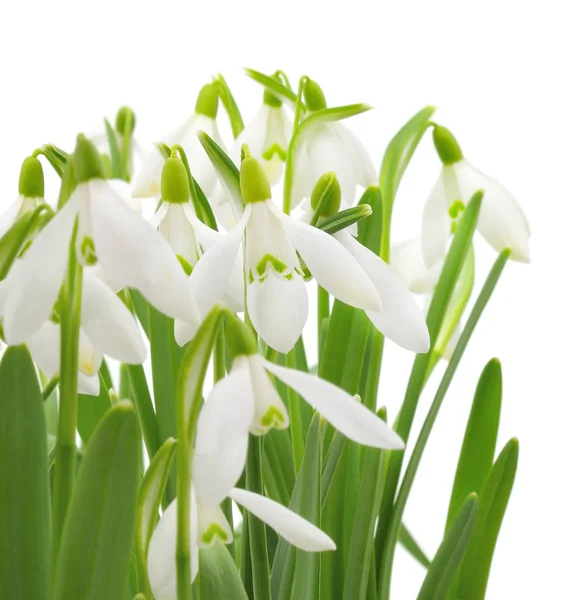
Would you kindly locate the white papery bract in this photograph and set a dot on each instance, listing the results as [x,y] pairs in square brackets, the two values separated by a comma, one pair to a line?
[501,221]
[332,147]
[129,251]
[276,293]
[148,181]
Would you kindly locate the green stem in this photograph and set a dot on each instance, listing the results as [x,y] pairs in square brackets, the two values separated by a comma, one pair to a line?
[409,477]
[183,548]
[296,430]
[323,307]
[65,451]
[126,149]
[50,387]
[283,78]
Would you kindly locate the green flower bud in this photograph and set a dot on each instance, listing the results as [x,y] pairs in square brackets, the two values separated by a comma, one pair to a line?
[125,117]
[271,99]
[31,182]
[446,145]
[239,338]
[174,181]
[86,161]
[327,191]
[314,96]
[207,101]
[253,180]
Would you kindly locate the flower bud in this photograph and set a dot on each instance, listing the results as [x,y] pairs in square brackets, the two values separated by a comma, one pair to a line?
[86,161]
[207,101]
[125,118]
[174,181]
[314,96]
[270,99]
[446,145]
[327,191]
[31,182]
[253,180]
[239,338]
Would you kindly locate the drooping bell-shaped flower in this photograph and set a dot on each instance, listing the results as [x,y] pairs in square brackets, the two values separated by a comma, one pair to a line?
[129,252]
[30,193]
[501,220]
[148,181]
[268,136]
[330,147]
[277,300]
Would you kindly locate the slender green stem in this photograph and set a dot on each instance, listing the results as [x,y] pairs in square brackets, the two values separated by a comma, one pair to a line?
[183,548]
[298,111]
[296,430]
[323,307]
[409,477]
[50,387]
[65,451]
[126,146]
[283,78]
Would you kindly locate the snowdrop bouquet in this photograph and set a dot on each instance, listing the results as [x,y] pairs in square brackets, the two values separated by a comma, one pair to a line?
[162,432]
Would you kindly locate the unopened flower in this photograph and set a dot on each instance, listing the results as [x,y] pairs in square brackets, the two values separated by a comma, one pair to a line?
[501,220]
[330,147]
[129,252]
[30,193]
[148,182]
[277,300]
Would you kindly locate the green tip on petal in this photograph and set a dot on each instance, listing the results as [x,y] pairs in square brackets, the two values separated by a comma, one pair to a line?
[271,99]
[207,101]
[239,338]
[31,182]
[253,180]
[174,181]
[314,96]
[87,161]
[446,145]
[125,118]
[327,190]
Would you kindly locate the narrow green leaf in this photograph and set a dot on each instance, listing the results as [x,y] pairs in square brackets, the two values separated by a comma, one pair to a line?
[448,557]
[272,84]
[229,102]
[116,160]
[95,550]
[408,542]
[227,172]
[91,409]
[478,449]
[144,405]
[345,218]
[220,579]
[24,491]
[495,496]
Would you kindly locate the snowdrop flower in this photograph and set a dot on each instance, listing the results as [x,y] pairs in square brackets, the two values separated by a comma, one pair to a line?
[129,252]
[268,136]
[330,147]
[222,438]
[277,300]
[501,221]
[30,193]
[148,182]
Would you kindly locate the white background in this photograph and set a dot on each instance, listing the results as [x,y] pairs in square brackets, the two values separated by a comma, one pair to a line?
[504,75]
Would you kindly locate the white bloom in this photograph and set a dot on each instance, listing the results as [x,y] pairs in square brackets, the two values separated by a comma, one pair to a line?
[130,252]
[501,220]
[16,210]
[148,182]
[276,293]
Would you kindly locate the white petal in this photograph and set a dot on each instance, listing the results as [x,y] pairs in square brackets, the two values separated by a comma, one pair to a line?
[501,220]
[10,214]
[134,254]
[159,215]
[278,308]
[91,386]
[339,408]
[303,181]
[254,135]
[212,525]
[34,291]
[44,347]
[90,358]
[436,226]
[161,556]
[400,318]
[109,323]
[407,259]
[177,230]
[366,173]
[201,166]
[332,265]
[292,527]
[222,435]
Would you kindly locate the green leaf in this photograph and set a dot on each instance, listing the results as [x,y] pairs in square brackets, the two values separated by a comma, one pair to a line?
[92,408]
[495,496]
[116,160]
[220,578]
[229,102]
[272,84]
[448,557]
[95,549]
[24,492]
[408,542]
[478,449]
[227,172]
[150,496]
[144,405]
